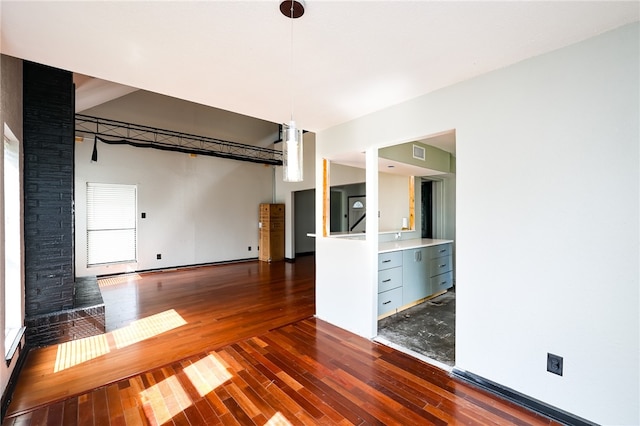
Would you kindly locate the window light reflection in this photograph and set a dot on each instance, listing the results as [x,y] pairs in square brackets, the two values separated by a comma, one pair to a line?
[207,374]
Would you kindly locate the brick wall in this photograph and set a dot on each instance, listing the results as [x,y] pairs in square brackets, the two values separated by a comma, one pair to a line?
[48,143]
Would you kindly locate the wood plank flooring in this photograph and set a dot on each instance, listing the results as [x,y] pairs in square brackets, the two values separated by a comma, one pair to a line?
[301,371]
[220,305]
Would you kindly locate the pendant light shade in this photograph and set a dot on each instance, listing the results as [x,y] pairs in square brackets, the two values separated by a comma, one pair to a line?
[292,160]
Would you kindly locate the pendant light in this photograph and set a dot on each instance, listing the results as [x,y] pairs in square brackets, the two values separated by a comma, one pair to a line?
[292,161]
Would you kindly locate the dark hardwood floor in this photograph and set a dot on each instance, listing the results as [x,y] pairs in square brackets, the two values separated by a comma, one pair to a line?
[237,344]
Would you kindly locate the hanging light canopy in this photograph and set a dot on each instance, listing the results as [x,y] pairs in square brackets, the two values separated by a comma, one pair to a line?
[292,161]
[292,8]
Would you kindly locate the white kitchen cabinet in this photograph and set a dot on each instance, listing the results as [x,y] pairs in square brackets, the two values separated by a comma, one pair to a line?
[441,282]
[409,272]
[389,281]
[416,282]
[389,301]
[390,259]
[440,268]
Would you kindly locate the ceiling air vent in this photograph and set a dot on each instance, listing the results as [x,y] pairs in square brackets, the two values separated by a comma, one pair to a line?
[419,152]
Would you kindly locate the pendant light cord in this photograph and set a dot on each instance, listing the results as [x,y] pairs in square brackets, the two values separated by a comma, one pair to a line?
[291,64]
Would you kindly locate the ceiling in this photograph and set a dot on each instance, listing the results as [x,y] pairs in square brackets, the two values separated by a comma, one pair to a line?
[350,58]
[392,167]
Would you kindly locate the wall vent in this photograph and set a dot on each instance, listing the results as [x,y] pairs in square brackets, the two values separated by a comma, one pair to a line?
[419,152]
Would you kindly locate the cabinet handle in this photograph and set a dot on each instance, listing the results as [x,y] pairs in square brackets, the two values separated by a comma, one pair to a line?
[443,250]
[386,261]
[443,283]
[386,303]
[442,266]
[386,281]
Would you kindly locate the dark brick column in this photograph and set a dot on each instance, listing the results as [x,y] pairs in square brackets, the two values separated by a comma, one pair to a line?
[58,307]
[48,192]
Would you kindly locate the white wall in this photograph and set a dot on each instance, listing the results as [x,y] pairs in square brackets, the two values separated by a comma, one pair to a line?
[198,210]
[340,174]
[393,201]
[548,197]
[346,297]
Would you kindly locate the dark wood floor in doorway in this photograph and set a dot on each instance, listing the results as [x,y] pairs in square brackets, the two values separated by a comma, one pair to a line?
[237,344]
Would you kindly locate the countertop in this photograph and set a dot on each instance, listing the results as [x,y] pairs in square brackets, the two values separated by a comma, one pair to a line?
[409,244]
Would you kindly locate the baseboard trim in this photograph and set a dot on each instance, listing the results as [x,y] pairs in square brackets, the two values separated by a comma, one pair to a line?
[178,267]
[306,253]
[532,404]
[13,379]
[293,259]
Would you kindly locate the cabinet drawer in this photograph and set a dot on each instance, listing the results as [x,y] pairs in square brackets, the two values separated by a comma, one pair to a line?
[389,300]
[440,265]
[441,282]
[440,251]
[388,260]
[389,279]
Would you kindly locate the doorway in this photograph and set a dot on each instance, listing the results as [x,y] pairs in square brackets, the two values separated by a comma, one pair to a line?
[304,221]
[426,189]
[427,330]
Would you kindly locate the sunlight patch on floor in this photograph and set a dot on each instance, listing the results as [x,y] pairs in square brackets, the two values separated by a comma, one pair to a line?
[120,279]
[207,374]
[278,419]
[162,401]
[78,351]
[147,327]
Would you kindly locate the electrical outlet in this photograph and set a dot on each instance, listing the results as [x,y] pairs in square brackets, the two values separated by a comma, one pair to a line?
[158,256]
[554,364]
